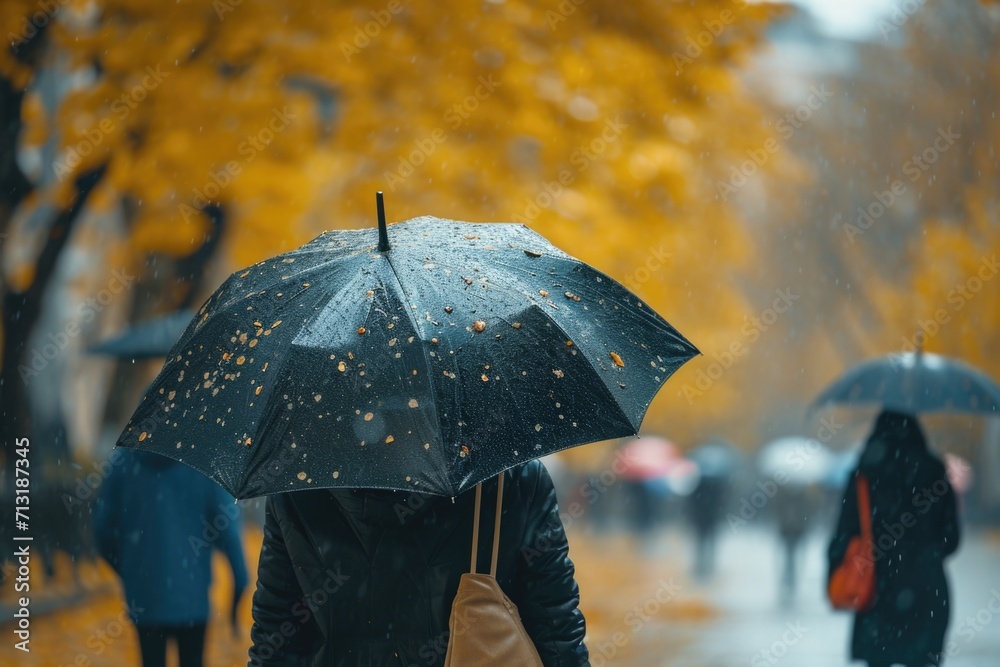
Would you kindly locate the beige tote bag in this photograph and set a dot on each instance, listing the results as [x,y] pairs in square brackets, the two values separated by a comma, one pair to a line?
[485,628]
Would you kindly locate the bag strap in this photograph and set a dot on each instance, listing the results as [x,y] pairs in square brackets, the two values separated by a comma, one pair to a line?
[496,527]
[475,527]
[864,508]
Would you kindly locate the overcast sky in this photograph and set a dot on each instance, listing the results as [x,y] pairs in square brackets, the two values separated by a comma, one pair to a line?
[850,19]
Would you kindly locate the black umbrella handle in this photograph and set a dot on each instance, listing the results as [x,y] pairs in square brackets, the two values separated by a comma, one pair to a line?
[383,234]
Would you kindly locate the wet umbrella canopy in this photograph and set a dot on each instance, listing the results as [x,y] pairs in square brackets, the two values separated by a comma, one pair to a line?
[463,350]
[915,382]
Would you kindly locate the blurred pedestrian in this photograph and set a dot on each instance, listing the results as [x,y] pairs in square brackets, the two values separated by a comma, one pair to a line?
[157,522]
[915,526]
[794,506]
[641,504]
[705,510]
[368,577]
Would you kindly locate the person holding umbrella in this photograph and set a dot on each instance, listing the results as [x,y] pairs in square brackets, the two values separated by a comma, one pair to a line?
[792,466]
[376,393]
[378,571]
[900,499]
[915,528]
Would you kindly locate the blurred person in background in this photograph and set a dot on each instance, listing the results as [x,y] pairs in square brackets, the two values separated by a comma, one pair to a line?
[640,502]
[794,505]
[705,510]
[915,526]
[157,523]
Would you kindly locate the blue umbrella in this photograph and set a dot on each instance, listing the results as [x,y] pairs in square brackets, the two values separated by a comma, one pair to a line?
[146,340]
[716,459]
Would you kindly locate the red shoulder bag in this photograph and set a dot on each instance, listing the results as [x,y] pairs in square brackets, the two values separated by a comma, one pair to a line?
[852,586]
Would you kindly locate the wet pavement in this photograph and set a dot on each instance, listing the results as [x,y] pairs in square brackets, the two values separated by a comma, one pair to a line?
[643,609]
[754,628]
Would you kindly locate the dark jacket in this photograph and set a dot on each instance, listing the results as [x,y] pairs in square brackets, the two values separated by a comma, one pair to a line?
[915,525]
[156,523]
[354,578]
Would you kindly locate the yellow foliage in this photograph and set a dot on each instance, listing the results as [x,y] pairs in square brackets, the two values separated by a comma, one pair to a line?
[604,128]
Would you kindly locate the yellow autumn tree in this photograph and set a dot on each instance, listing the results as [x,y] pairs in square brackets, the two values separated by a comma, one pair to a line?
[956,279]
[945,159]
[606,127]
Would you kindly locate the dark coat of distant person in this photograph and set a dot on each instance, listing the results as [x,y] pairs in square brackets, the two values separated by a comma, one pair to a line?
[915,526]
[350,578]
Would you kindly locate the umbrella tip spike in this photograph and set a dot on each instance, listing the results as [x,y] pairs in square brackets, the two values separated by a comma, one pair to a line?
[383,234]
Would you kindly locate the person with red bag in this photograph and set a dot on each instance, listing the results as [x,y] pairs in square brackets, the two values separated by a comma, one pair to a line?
[913,527]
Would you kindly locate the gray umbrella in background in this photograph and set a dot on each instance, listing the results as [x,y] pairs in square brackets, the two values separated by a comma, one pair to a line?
[915,382]
[716,458]
[145,340]
[794,460]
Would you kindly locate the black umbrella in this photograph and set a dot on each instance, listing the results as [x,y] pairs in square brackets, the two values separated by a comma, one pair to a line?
[145,340]
[462,351]
[915,382]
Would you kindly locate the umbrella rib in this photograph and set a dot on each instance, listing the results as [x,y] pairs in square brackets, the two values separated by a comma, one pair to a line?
[423,348]
[223,305]
[254,462]
[535,304]
[647,313]
[597,373]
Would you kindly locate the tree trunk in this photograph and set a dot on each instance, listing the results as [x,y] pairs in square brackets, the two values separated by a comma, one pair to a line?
[21,311]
